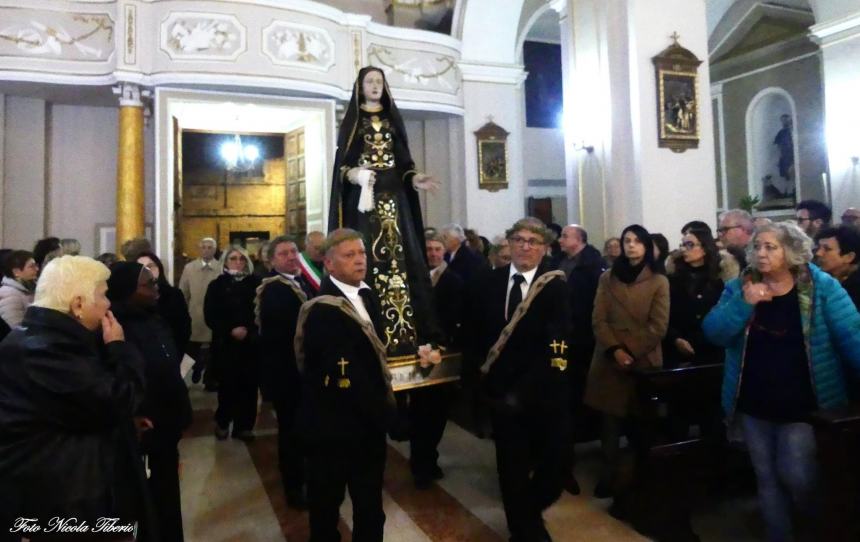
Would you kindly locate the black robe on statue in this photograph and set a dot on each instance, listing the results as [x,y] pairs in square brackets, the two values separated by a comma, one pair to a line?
[394,230]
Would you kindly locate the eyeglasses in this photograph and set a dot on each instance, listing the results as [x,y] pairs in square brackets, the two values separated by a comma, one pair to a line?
[531,242]
[725,229]
[802,220]
[690,245]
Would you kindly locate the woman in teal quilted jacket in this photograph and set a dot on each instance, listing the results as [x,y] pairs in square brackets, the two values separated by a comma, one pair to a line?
[791,335]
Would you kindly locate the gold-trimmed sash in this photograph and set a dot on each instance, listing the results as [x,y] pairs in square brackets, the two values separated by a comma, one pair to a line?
[347,308]
[268,280]
[520,311]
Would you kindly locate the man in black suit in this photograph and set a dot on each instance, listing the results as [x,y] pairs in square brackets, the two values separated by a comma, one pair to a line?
[522,330]
[347,401]
[428,406]
[460,258]
[582,264]
[279,299]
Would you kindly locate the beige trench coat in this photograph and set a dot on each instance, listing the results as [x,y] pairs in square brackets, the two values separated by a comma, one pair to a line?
[634,316]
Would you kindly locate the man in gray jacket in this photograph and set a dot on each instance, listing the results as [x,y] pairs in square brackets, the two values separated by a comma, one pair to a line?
[194,281]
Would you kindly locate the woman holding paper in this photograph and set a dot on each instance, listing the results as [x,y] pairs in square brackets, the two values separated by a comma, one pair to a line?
[375,191]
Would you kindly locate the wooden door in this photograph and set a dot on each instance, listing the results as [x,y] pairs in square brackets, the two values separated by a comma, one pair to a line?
[294,149]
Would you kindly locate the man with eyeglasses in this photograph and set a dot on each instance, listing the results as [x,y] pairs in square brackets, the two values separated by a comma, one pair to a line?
[812,216]
[735,231]
[522,334]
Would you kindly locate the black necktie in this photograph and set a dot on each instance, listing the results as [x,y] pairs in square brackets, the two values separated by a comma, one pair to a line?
[303,285]
[516,295]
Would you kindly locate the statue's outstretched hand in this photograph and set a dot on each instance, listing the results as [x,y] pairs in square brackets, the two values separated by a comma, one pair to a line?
[422,181]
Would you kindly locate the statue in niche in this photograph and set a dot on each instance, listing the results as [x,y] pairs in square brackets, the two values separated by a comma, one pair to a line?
[784,141]
[778,187]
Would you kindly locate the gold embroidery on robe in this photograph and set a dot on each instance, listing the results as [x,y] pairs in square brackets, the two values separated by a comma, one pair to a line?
[391,280]
[378,150]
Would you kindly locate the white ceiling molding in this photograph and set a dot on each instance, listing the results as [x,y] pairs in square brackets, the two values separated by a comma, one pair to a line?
[269,46]
[725,39]
[509,74]
[831,32]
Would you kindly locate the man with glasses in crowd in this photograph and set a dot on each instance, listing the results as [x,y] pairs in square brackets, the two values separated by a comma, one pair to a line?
[813,216]
[522,333]
[735,231]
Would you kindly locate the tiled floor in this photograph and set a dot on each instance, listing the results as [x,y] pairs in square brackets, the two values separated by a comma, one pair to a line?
[231,492]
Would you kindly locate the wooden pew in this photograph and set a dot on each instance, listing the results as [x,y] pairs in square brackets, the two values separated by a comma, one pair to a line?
[837,433]
[668,475]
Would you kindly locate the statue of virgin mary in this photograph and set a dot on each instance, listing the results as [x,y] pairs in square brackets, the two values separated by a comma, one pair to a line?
[375,191]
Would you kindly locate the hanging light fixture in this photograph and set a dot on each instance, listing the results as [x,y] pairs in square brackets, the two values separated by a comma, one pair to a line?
[237,157]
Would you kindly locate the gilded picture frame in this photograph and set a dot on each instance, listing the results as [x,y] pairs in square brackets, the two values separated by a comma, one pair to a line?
[678,100]
[492,142]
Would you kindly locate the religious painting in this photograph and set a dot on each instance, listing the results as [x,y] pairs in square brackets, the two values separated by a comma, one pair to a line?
[677,98]
[492,157]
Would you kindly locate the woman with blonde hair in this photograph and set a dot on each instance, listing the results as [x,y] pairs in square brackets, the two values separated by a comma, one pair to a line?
[791,335]
[70,384]
[229,311]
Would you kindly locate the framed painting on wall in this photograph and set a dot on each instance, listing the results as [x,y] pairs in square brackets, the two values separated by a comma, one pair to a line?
[492,157]
[677,97]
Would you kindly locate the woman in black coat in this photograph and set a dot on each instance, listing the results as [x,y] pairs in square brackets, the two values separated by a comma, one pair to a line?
[171,303]
[695,287]
[70,383]
[166,409]
[229,311]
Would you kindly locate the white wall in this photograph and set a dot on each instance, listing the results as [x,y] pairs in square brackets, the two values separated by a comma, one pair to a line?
[685,182]
[841,82]
[429,144]
[493,212]
[82,179]
[24,172]
[60,172]
[543,153]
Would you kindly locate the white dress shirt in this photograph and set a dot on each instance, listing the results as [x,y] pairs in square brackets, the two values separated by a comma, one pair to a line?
[351,293]
[524,285]
[453,254]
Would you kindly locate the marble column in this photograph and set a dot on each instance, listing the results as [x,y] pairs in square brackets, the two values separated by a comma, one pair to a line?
[611,105]
[839,39]
[130,206]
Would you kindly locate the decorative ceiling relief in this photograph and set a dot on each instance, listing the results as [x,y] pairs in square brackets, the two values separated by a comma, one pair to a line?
[56,34]
[420,70]
[291,44]
[202,36]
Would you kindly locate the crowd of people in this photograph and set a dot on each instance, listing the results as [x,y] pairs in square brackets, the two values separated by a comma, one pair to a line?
[550,328]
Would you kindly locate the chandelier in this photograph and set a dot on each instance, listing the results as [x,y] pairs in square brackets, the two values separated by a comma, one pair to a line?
[239,158]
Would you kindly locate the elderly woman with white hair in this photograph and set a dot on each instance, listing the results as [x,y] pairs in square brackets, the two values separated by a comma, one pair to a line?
[70,385]
[791,335]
